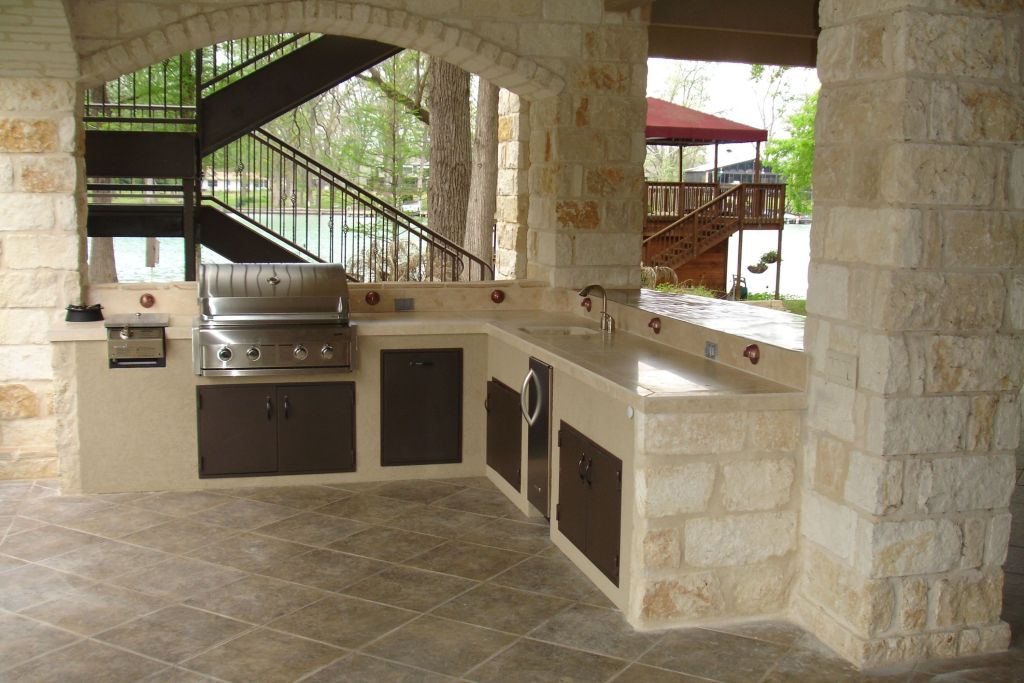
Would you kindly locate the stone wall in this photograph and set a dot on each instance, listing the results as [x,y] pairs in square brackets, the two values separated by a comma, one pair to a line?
[915,328]
[513,203]
[39,243]
[717,507]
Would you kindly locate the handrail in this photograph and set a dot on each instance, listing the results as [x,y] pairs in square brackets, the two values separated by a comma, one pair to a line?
[217,78]
[702,207]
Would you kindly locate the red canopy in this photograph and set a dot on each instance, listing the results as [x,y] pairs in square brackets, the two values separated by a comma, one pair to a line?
[672,124]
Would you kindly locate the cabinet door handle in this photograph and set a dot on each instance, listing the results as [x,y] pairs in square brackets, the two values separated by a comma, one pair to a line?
[286,407]
[269,408]
[420,363]
[579,466]
[524,397]
[532,419]
[586,472]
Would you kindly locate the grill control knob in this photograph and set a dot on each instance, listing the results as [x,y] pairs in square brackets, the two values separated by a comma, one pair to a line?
[224,353]
[327,351]
[252,353]
[300,352]
[126,333]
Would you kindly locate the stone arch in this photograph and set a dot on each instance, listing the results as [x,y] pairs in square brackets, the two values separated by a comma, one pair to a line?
[459,46]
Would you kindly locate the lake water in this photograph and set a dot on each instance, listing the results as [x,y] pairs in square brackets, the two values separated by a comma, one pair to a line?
[130,257]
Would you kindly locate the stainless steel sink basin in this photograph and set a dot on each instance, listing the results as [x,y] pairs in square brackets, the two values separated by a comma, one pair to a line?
[558,331]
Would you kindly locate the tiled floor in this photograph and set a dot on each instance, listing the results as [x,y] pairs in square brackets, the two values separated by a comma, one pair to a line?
[409,581]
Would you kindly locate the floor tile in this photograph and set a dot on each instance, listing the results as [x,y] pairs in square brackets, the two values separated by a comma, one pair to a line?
[557,577]
[8,562]
[446,647]
[467,560]
[299,497]
[117,521]
[438,521]
[91,609]
[811,661]
[173,674]
[19,524]
[721,656]
[343,621]
[178,536]
[264,656]
[638,673]
[243,515]
[366,507]
[324,569]
[483,502]
[179,578]
[409,588]
[529,661]
[248,552]
[105,559]
[179,503]
[357,668]
[30,584]
[173,634]
[385,543]
[995,663]
[22,639]
[596,629]
[43,542]
[509,534]
[357,486]
[59,509]
[312,528]
[85,661]
[469,482]
[500,608]
[416,491]
[256,599]
[774,631]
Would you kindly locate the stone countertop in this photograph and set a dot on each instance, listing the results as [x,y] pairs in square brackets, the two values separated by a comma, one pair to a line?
[651,376]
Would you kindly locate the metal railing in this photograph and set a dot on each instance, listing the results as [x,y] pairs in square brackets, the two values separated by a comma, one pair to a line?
[327,217]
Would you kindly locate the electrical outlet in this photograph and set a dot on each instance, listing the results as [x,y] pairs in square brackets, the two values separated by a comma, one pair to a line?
[710,350]
[404,304]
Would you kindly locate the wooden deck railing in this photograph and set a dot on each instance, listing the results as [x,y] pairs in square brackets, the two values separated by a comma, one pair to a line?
[764,203]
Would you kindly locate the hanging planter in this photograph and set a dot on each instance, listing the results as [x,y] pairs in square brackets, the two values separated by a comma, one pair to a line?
[770,257]
[757,268]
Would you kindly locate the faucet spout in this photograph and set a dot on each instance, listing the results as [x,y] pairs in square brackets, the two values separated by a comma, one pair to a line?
[607,322]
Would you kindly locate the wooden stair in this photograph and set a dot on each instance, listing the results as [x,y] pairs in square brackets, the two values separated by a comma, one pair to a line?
[696,232]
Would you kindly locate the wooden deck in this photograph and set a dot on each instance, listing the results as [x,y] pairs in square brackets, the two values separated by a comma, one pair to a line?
[763,204]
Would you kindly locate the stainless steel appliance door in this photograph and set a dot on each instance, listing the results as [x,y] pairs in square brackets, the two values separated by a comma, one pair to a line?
[538,463]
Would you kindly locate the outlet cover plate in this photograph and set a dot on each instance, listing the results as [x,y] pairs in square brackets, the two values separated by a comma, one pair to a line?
[404,304]
[711,350]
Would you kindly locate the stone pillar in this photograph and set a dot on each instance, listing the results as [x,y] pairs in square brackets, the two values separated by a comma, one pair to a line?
[39,258]
[513,181]
[916,315]
[586,160]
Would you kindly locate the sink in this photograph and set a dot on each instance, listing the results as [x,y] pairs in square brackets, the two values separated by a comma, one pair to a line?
[559,331]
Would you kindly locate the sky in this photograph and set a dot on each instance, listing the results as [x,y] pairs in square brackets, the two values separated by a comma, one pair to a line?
[732,95]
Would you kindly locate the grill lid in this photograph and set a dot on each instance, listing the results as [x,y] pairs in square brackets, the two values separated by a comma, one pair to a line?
[273,291]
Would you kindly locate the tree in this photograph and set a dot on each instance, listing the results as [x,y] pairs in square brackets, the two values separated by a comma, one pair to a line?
[483,185]
[773,93]
[686,85]
[793,157]
[450,156]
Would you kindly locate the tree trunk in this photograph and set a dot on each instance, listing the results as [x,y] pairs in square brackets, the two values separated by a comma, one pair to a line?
[483,186]
[102,267]
[448,194]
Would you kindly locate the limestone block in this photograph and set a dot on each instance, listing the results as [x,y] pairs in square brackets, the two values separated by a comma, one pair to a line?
[831,408]
[958,364]
[989,113]
[19,135]
[877,236]
[1016,179]
[577,215]
[28,465]
[830,525]
[551,40]
[893,650]
[998,540]
[957,45]
[25,211]
[695,433]
[739,540]
[757,485]
[1006,430]
[884,364]
[25,362]
[867,606]
[761,589]
[970,598]
[606,248]
[661,549]
[17,401]
[664,491]
[36,94]
[941,174]
[871,110]
[1015,302]
[687,597]
[827,290]
[583,12]
[963,483]
[40,251]
[831,461]
[905,548]
[874,484]
[994,638]
[933,424]
[46,174]
[29,433]
[36,288]
[912,611]
[773,431]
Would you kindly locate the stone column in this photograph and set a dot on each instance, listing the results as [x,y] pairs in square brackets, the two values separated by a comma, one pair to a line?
[586,160]
[39,259]
[513,181]
[916,315]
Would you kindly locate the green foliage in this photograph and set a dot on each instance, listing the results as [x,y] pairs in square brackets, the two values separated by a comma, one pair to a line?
[689,287]
[794,157]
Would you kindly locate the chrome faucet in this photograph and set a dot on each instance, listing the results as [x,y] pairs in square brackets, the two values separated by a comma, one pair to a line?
[607,322]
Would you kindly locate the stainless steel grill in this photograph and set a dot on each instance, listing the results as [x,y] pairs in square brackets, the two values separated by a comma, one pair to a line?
[272,318]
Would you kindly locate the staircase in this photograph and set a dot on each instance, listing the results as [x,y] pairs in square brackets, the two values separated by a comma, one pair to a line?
[151,133]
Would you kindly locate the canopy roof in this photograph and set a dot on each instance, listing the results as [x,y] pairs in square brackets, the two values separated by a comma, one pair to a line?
[672,124]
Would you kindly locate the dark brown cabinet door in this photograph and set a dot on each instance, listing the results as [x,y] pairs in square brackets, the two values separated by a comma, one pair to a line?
[421,406]
[604,479]
[572,489]
[504,432]
[316,427]
[237,429]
